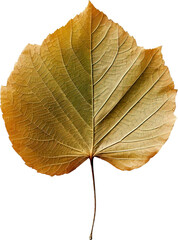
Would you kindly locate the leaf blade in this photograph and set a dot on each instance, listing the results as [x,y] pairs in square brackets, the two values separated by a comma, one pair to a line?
[87,91]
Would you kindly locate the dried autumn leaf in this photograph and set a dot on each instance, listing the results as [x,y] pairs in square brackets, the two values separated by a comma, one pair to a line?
[88,91]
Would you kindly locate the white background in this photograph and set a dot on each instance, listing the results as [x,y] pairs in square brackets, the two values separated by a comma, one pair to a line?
[136,205]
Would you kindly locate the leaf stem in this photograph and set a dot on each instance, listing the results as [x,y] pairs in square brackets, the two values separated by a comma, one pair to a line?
[94,189]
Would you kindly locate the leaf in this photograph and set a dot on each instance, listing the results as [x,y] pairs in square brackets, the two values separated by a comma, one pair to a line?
[88,91]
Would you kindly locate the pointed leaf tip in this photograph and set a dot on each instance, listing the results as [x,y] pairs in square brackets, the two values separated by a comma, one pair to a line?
[90,5]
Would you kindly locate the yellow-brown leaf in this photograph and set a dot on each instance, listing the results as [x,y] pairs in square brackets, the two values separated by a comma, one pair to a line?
[88,91]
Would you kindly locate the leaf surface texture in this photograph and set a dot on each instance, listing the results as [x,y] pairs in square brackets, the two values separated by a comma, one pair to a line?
[88,91]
